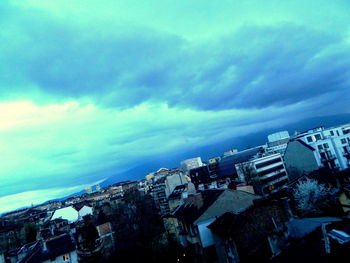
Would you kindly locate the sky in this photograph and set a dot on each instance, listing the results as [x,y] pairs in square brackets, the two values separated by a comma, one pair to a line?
[90,88]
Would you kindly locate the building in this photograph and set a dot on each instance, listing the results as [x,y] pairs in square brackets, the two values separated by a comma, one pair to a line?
[267,174]
[299,159]
[332,145]
[277,142]
[68,213]
[226,166]
[200,210]
[255,234]
[213,167]
[58,250]
[158,193]
[174,179]
[187,165]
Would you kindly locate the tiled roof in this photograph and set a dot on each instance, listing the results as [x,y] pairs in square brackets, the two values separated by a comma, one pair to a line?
[194,207]
[58,246]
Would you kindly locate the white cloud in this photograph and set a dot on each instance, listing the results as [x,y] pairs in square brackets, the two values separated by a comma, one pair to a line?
[35,197]
[64,144]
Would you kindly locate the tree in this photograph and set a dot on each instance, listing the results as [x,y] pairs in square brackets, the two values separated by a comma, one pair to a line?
[30,232]
[313,198]
[250,176]
[89,246]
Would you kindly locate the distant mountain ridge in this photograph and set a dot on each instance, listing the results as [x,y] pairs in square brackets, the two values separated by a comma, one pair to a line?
[241,142]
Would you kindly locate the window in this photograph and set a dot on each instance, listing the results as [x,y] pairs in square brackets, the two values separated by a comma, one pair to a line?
[338,133]
[332,133]
[318,137]
[66,257]
[343,141]
[320,147]
[326,145]
[309,139]
[266,163]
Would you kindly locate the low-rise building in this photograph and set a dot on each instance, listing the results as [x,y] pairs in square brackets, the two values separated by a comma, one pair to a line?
[201,209]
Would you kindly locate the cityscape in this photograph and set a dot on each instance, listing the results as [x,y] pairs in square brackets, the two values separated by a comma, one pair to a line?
[266,203]
[165,131]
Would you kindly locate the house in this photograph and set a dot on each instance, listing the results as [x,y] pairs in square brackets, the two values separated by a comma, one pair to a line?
[255,234]
[200,210]
[68,213]
[83,209]
[59,249]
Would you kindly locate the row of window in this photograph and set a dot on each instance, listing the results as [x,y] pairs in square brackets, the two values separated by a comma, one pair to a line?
[269,162]
[275,186]
[270,170]
[274,177]
[324,146]
[345,140]
[332,133]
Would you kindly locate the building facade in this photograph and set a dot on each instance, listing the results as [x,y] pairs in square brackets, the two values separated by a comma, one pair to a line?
[332,145]
[267,174]
[188,164]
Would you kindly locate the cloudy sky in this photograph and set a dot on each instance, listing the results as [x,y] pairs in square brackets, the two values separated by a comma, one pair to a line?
[91,88]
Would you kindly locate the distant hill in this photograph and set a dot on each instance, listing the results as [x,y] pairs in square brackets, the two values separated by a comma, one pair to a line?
[241,142]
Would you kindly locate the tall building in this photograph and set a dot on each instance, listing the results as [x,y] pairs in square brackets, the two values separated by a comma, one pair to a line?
[277,142]
[159,196]
[332,145]
[187,165]
[267,174]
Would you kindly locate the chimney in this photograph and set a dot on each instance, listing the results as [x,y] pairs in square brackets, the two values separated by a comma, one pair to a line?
[44,245]
[286,206]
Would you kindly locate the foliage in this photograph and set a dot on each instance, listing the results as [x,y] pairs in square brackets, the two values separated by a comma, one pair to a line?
[313,198]
[30,232]
[250,176]
[88,243]
[139,227]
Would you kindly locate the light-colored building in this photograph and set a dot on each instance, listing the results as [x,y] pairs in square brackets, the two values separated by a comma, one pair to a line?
[173,180]
[332,145]
[267,173]
[68,213]
[230,152]
[187,165]
[277,142]
[204,207]
[84,211]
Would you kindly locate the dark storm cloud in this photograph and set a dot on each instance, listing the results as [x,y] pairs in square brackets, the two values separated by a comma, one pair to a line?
[255,67]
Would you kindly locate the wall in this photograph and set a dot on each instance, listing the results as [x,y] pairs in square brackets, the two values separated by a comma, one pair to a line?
[299,159]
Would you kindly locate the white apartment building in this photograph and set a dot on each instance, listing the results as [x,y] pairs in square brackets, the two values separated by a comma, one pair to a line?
[268,172]
[277,142]
[187,165]
[332,145]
